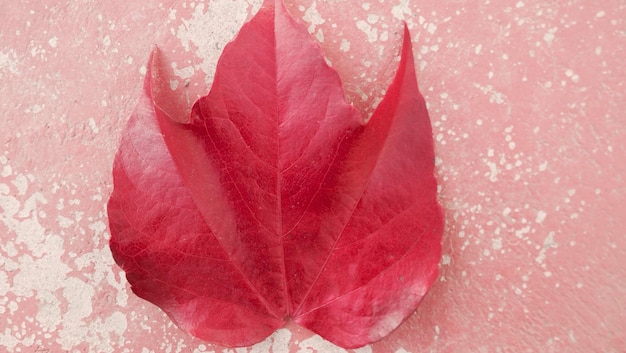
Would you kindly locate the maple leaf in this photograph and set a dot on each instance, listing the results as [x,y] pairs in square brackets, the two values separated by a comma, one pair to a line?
[273,200]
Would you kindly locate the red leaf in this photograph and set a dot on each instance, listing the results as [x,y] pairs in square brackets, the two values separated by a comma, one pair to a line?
[274,201]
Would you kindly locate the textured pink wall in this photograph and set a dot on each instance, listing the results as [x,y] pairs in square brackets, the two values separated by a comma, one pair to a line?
[528,108]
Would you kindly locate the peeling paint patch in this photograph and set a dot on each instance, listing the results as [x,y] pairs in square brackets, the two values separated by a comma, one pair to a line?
[541,216]
[313,17]
[345,45]
[548,243]
[8,63]
[371,32]
[402,11]
[210,36]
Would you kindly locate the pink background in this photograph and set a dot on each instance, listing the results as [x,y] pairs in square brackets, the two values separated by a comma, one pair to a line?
[528,110]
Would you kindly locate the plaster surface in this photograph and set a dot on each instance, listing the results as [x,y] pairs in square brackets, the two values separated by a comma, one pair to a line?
[528,111]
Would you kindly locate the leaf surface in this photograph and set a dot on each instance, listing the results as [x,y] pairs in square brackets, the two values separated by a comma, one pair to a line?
[273,200]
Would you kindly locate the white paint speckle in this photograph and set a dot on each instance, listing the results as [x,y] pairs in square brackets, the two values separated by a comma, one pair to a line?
[277,342]
[345,45]
[431,28]
[8,62]
[6,171]
[522,231]
[541,216]
[106,41]
[496,244]
[494,96]
[172,14]
[184,72]
[401,350]
[21,183]
[572,75]
[384,36]
[34,109]
[319,35]
[402,11]
[91,122]
[548,243]
[493,171]
[313,17]
[372,18]
[232,15]
[372,33]
[548,37]
[174,84]
[318,344]
[64,222]
[52,42]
